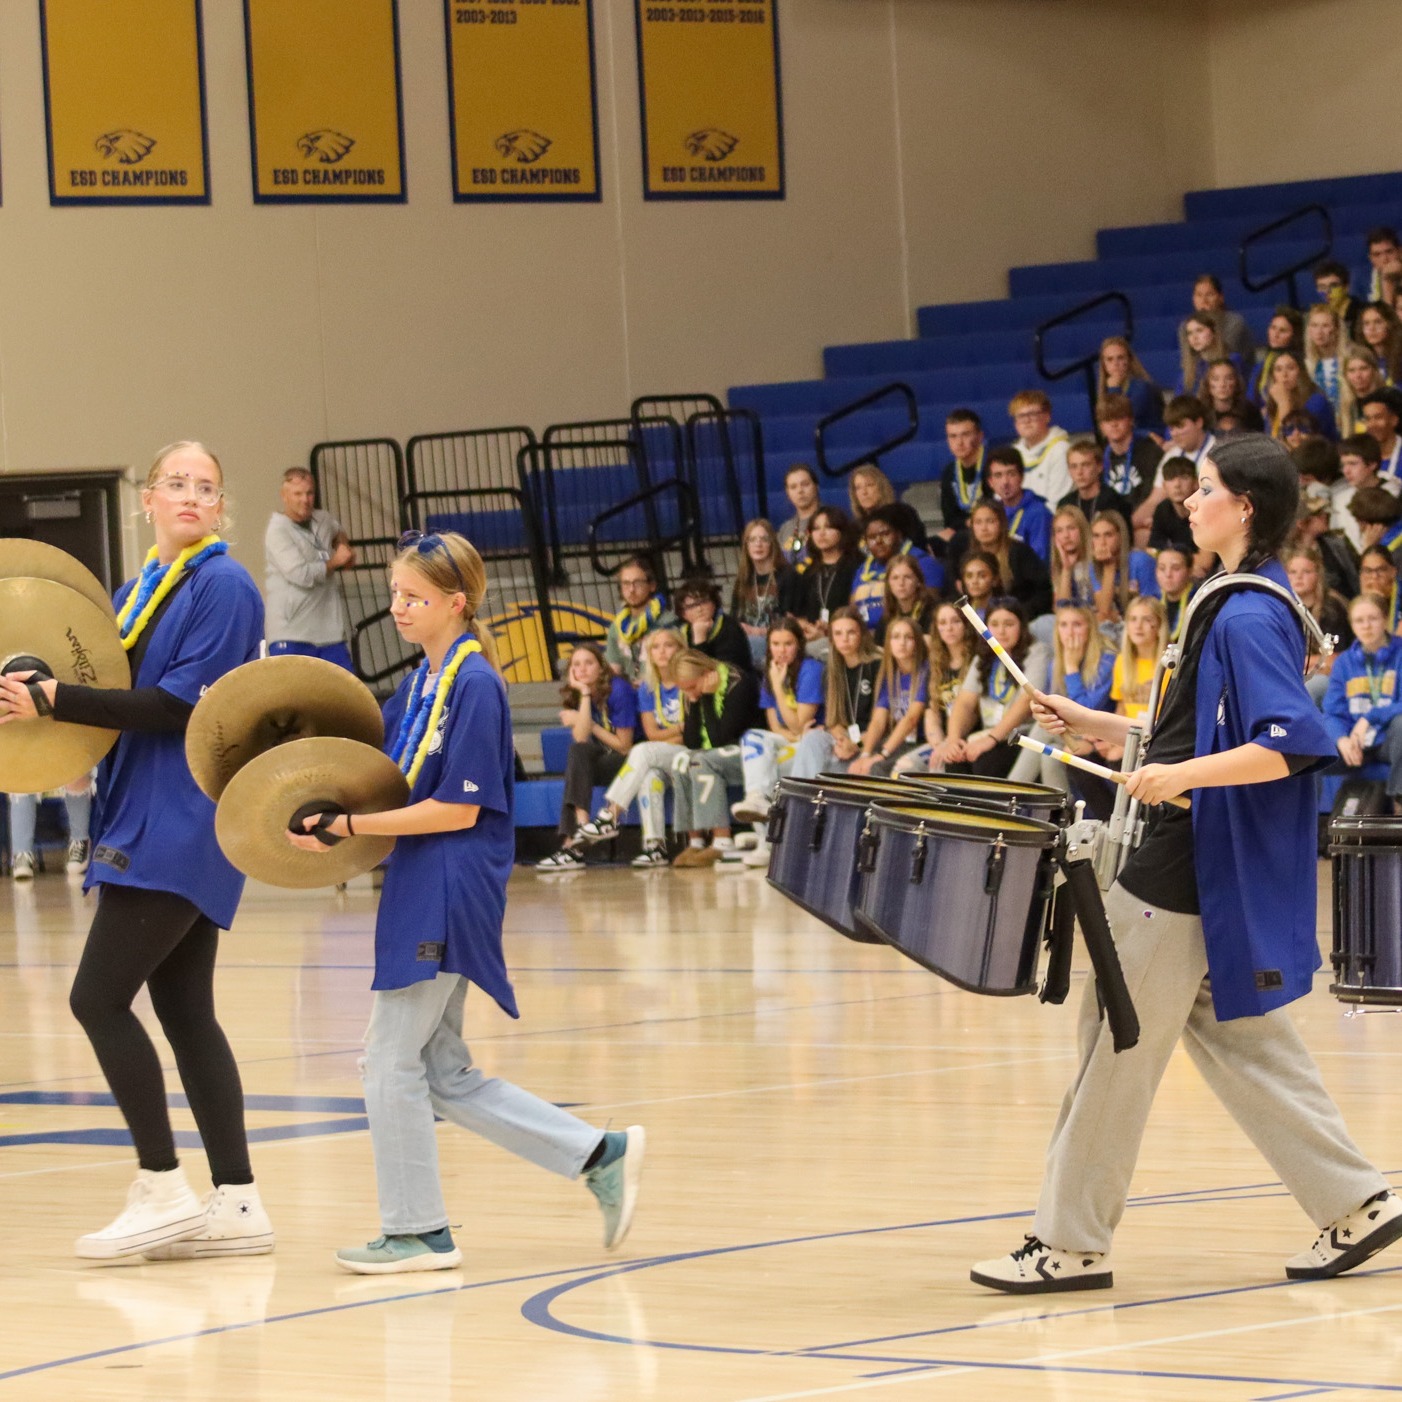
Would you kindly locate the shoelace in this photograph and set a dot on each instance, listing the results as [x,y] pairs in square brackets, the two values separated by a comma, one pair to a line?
[1031,1246]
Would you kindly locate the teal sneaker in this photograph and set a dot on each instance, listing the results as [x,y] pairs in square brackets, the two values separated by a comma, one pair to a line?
[389,1255]
[614,1182]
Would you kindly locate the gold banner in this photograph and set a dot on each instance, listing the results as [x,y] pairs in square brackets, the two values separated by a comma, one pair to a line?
[324,102]
[124,101]
[708,74]
[521,91]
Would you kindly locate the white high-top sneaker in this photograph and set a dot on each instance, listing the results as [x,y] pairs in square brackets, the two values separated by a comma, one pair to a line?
[235,1224]
[161,1208]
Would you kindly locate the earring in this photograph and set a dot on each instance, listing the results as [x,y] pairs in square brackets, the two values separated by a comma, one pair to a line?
[1243,520]
[148,518]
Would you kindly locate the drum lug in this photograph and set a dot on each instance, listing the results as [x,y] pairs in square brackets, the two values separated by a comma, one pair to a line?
[917,857]
[867,846]
[820,822]
[774,828]
[993,873]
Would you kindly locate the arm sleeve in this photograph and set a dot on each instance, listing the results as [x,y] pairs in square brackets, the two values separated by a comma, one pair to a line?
[297,561]
[149,709]
[691,725]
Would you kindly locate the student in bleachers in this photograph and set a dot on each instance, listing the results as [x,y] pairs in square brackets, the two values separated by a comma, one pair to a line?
[1360,461]
[1085,463]
[1145,637]
[1042,445]
[1122,374]
[1286,331]
[884,540]
[830,566]
[850,696]
[1379,517]
[1202,344]
[1381,332]
[1173,574]
[1377,574]
[980,579]
[647,770]
[791,697]
[721,704]
[1029,517]
[1130,461]
[1291,390]
[1118,572]
[1189,437]
[1361,378]
[1331,286]
[764,585]
[991,707]
[1305,568]
[952,644]
[1235,334]
[601,711]
[1021,571]
[1171,526]
[961,482]
[1224,398]
[902,693]
[1072,581]
[801,488]
[1362,706]
[1384,257]
[706,628]
[1325,347]
[1382,413]
[869,490]
[643,610]
[1313,528]
[907,596]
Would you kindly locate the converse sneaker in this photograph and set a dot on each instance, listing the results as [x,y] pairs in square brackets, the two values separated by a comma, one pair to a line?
[393,1255]
[22,866]
[1036,1268]
[753,808]
[614,1181]
[601,828]
[566,859]
[78,856]
[1351,1240]
[653,855]
[235,1224]
[160,1209]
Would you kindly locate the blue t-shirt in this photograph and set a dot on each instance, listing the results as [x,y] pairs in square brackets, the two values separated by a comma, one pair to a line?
[444,897]
[909,691]
[152,827]
[669,712]
[808,692]
[620,707]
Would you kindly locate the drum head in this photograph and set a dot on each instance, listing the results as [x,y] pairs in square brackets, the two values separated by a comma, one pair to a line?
[981,786]
[843,788]
[974,824]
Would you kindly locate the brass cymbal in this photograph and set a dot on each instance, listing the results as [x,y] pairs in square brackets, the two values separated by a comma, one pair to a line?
[32,559]
[77,642]
[270,702]
[259,801]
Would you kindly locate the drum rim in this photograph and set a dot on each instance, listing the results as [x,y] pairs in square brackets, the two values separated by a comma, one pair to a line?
[854,793]
[1373,825]
[990,782]
[1035,833]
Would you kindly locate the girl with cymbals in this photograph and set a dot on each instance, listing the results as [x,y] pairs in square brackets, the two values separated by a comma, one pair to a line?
[439,928]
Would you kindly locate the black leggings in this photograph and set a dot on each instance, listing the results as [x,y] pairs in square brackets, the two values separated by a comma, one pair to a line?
[161,940]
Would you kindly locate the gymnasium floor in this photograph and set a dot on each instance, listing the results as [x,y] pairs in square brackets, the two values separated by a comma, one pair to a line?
[835,1135]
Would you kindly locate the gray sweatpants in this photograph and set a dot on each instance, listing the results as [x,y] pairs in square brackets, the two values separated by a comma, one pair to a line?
[1257,1067]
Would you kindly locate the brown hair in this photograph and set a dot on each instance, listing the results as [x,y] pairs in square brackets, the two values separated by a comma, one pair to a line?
[837,710]
[603,683]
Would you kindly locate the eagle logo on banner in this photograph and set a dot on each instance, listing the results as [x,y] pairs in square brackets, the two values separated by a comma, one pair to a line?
[326,145]
[526,146]
[712,143]
[128,146]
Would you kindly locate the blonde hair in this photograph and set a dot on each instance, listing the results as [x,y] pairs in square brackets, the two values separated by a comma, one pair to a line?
[1095,649]
[837,710]
[650,673]
[692,665]
[1348,398]
[1029,399]
[1121,562]
[890,671]
[1192,360]
[1136,366]
[181,445]
[923,602]
[1133,692]
[884,490]
[457,568]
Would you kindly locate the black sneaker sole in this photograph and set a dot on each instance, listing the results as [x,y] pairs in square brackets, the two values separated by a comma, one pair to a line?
[1354,1256]
[1045,1287]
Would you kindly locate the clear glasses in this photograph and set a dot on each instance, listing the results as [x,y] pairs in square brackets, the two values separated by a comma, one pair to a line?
[182,488]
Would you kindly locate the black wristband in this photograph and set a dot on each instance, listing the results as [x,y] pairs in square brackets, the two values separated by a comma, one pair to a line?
[42,705]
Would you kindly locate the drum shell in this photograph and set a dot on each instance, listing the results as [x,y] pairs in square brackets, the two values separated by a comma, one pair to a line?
[1366,857]
[938,910]
[1038,801]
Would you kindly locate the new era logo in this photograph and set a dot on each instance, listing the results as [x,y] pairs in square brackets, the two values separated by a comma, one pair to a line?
[468,786]
[1277,732]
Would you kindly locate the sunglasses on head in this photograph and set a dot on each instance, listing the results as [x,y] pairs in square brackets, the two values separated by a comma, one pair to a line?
[426,545]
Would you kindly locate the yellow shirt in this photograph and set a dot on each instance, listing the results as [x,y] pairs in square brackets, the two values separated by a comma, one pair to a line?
[1144,674]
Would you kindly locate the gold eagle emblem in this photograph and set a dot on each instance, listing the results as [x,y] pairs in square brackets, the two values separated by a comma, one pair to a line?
[526,146]
[127,146]
[326,145]
[712,143]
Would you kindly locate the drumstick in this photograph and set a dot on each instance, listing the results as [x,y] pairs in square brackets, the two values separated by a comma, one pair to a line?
[999,651]
[1076,762]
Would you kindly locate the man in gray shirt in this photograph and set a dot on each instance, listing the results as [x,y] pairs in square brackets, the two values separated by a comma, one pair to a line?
[304,547]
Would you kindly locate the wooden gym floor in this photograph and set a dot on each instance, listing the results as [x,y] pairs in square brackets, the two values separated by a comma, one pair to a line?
[835,1135]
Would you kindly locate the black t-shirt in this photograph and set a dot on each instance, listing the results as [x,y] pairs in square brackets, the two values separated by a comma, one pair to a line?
[1169,528]
[822,587]
[860,682]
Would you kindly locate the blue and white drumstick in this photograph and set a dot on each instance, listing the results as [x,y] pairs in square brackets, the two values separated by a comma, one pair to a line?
[999,651]
[1076,762]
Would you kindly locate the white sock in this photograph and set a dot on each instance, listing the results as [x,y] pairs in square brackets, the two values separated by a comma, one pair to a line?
[725,843]
[697,842]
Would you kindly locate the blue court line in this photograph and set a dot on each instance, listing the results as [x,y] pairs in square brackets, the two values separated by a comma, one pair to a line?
[185,1138]
[1285,1396]
[562,968]
[306,1104]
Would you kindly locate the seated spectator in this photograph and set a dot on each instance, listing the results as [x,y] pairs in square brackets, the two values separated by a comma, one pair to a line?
[952,644]
[1380,332]
[991,708]
[1118,573]
[1130,460]
[1085,463]
[1377,574]
[902,693]
[1122,374]
[1385,258]
[1202,344]
[1286,331]
[1325,346]
[1029,519]
[764,585]
[1071,578]
[1360,459]
[1131,682]
[720,703]
[884,540]
[1299,428]
[1382,413]
[1173,573]
[647,770]
[831,564]
[1292,390]
[961,482]
[1021,570]
[1232,329]
[870,490]
[854,664]
[1379,517]
[1361,378]
[907,596]
[791,697]
[980,580]
[24,816]
[1171,526]
[1224,398]
[1362,707]
[801,488]
[601,711]
[706,628]
[1188,437]
[1043,447]
[1305,567]
[1312,529]
[1331,286]
[643,610]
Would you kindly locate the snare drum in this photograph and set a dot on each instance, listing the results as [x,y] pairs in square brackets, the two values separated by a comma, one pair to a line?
[1039,801]
[1366,856]
[965,892]
[814,828]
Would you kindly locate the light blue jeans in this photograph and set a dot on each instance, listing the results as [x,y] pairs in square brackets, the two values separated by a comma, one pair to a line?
[416,1065]
[24,811]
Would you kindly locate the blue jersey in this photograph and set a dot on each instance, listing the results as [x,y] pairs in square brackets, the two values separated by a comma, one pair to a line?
[152,827]
[665,704]
[1363,684]
[620,707]
[444,897]
[808,692]
[1096,695]
[1031,522]
[911,690]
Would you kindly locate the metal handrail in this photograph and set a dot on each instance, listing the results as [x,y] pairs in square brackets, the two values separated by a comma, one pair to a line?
[683,540]
[1295,269]
[869,455]
[1090,362]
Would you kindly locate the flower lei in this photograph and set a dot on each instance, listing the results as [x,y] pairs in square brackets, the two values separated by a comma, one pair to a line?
[422,715]
[633,626]
[155,582]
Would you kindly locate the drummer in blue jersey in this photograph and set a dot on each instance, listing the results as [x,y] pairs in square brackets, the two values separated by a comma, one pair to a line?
[164,888]
[1213,915]
[439,929]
